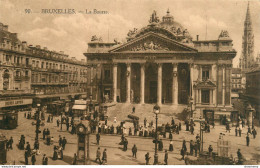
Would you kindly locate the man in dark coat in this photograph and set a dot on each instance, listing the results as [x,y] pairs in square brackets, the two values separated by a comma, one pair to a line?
[60,140]
[173,122]
[184,147]
[160,146]
[179,125]
[240,157]
[104,157]
[98,155]
[28,148]
[11,141]
[98,138]
[170,135]
[64,142]
[45,160]
[125,142]
[192,129]
[247,140]
[58,123]
[145,121]
[43,134]
[26,157]
[239,131]
[67,125]
[236,131]
[134,150]
[254,133]
[182,153]
[33,159]
[191,147]
[147,158]
[166,157]
[195,147]
[133,109]
[210,150]
[48,132]
[36,145]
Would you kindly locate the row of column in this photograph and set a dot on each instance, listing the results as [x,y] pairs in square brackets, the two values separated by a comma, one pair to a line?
[142,84]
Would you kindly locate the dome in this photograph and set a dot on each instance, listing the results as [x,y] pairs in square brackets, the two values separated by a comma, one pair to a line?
[167,27]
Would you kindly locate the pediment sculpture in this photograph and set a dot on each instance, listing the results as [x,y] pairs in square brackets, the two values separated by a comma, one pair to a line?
[150,46]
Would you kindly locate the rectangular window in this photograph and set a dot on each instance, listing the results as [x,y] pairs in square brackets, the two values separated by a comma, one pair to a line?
[205,73]
[107,74]
[205,96]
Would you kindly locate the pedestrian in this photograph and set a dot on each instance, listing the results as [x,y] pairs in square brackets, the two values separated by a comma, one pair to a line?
[254,133]
[197,137]
[171,146]
[166,158]
[11,141]
[236,131]
[239,131]
[55,154]
[240,157]
[125,144]
[134,150]
[48,132]
[74,159]
[36,145]
[145,121]
[130,131]
[26,157]
[64,142]
[210,150]
[191,147]
[61,153]
[192,129]
[195,147]
[133,109]
[67,125]
[33,159]
[45,160]
[28,148]
[98,156]
[48,140]
[60,140]
[104,157]
[184,147]
[173,122]
[25,115]
[160,146]
[147,158]
[58,122]
[98,138]
[247,140]
[198,144]
[179,126]
[182,153]
[43,133]
[170,135]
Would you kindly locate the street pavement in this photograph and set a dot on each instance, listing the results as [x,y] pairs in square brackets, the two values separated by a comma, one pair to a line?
[116,156]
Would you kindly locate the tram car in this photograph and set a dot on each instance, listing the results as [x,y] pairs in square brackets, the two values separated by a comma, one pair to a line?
[8,119]
[56,107]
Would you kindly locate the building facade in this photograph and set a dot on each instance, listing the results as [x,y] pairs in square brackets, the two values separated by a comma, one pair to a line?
[237,86]
[160,63]
[28,73]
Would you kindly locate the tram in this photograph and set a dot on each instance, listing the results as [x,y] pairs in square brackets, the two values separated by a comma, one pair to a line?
[8,119]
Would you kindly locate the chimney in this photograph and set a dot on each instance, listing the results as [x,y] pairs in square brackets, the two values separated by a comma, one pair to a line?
[5,27]
[24,44]
[38,46]
[197,37]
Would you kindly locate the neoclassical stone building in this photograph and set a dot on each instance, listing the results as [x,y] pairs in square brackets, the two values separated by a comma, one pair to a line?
[160,63]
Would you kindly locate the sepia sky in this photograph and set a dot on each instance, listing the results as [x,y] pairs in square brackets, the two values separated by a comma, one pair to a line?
[71,32]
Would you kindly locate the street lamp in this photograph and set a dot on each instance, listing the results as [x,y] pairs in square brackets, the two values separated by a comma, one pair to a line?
[156,110]
[37,121]
[201,133]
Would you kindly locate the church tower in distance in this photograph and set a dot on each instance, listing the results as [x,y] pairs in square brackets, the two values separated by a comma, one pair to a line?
[247,56]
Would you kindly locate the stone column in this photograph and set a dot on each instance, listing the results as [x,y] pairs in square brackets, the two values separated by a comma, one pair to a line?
[114,82]
[175,84]
[211,97]
[142,84]
[128,83]
[191,82]
[200,72]
[214,72]
[214,97]
[224,85]
[159,86]
[91,79]
[199,95]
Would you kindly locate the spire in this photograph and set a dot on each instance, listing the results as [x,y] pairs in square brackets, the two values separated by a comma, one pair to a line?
[248,17]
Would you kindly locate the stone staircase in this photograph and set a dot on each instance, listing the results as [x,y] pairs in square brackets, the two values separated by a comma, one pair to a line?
[122,110]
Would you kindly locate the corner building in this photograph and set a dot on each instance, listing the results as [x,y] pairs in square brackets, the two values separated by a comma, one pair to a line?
[160,63]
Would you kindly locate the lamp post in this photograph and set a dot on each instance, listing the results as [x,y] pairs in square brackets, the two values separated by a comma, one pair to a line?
[201,134]
[156,110]
[37,121]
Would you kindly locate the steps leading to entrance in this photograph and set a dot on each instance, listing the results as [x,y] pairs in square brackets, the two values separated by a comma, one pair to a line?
[122,110]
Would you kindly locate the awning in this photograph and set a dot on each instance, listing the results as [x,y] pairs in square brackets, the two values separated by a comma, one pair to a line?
[79,107]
